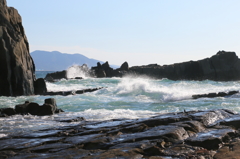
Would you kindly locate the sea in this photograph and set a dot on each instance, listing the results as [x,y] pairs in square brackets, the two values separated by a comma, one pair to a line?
[130,97]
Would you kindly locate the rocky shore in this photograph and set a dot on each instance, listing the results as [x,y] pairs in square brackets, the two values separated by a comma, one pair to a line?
[224,66]
[183,135]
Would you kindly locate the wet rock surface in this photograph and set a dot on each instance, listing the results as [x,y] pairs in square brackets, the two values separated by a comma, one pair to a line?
[213,95]
[66,93]
[194,134]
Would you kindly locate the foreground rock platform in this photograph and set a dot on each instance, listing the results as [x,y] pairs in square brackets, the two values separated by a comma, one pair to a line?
[208,134]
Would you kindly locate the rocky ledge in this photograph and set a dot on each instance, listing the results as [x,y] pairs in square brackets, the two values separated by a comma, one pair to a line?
[194,134]
[224,66]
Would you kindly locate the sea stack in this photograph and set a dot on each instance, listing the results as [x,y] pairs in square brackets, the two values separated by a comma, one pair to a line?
[16,65]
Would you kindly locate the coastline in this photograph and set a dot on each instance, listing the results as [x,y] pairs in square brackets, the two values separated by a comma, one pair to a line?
[192,134]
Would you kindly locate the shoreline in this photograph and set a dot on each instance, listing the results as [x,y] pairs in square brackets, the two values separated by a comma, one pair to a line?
[205,134]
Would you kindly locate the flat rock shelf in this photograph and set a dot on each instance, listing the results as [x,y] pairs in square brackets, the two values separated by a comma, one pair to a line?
[193,134]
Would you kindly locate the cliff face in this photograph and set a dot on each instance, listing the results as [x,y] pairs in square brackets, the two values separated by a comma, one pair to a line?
[224,66]
[16,65]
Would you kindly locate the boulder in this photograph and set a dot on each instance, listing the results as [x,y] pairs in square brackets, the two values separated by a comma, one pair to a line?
[56,76]
[40,87]
[7,111]
[48,108]
[16,65]
[22,108]
[33,108]
[51,101]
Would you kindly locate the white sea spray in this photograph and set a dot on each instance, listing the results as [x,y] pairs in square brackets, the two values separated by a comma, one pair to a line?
[128,97]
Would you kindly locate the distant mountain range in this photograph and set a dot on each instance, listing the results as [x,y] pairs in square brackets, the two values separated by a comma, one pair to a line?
[57,61]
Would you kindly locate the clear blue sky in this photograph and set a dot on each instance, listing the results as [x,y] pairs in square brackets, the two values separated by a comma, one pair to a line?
[138,31]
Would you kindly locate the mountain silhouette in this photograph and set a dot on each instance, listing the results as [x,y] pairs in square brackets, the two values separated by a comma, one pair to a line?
[57,61]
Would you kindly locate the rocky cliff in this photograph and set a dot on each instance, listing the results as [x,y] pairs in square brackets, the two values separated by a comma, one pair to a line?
[224,66]
[16,65]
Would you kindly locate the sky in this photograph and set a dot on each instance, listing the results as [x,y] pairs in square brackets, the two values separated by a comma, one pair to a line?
[140,32]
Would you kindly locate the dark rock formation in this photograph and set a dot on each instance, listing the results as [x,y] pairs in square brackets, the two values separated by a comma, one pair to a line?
[48,108]
[124,67]
[186,135]
[213,95]
[99,71]
[16,65]
[40,87]
[51,77]
[105,70]
[66,93]
[224,66]
[7,112]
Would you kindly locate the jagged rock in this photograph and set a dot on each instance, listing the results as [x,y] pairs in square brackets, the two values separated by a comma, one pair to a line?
[107,71]
[124,67]
[16,65]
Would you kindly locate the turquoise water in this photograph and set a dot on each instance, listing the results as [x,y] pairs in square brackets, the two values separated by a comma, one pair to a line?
[129,97]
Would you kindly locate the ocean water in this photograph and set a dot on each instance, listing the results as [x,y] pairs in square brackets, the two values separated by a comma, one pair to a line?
[130,97]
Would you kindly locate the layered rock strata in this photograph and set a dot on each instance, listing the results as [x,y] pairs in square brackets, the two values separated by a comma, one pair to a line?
[211,134]
[16,65]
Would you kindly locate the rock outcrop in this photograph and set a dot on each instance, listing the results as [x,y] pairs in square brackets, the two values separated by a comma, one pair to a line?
[214,95]
[104,70]
[16,65]
[185,135]
[48,108]
[51,77]
[224,66]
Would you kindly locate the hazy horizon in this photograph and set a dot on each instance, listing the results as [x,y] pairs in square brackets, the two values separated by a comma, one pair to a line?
[139,32]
